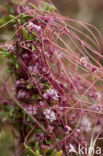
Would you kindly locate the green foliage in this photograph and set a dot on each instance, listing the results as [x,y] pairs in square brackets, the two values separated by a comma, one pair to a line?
[50,152]
[6,112]
[14,20]
[5,53]
[32,47]
[25,33]
[4,19]
[48,7]
[13,63]
[59,153]
[37,148]
[22,18]
[36,153]
[32,5]
[31,36]
[7,141]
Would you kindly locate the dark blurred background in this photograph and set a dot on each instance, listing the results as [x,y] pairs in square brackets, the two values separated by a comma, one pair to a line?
[90,11]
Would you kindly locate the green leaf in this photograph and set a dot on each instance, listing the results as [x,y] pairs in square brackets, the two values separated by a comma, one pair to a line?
[24,18]
[59,153]
[5,118]
[32,47]
[16,65]
[2,113]
[48,7]
[36,39]
[32,5]
[53,153]
[25,33]
[21,16]
[8,70]
[31,36]
[4,52]
[37,153]
[29,87]
[57,139]
[13,17]
[48,142]
[37,146]
[52,10]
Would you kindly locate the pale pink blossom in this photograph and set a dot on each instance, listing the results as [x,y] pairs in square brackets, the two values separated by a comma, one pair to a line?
[51,94]
[84,61]
[50,115]
[86,124]
[21,94]
[32,110]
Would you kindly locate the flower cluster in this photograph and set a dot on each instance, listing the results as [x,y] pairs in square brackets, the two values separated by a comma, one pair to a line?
[51,94]
[9,47]
[50,115]
[21,94]
[95,95]
[85,62]
[33,69]
[31,25]
[32,110]
[85,124]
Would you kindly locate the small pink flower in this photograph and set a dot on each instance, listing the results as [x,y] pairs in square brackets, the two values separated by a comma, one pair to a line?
[98,96]
[95,95]
[37,28]
[58,54]
[25,56]
[31,25]
[51,94]
[84,61]
[32,110]
[95,108]
[33,69]
[21,94]
[86,124]
[50,115]
[9,47]
[20,82]
[68,128]
[47,54]
[78,132]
